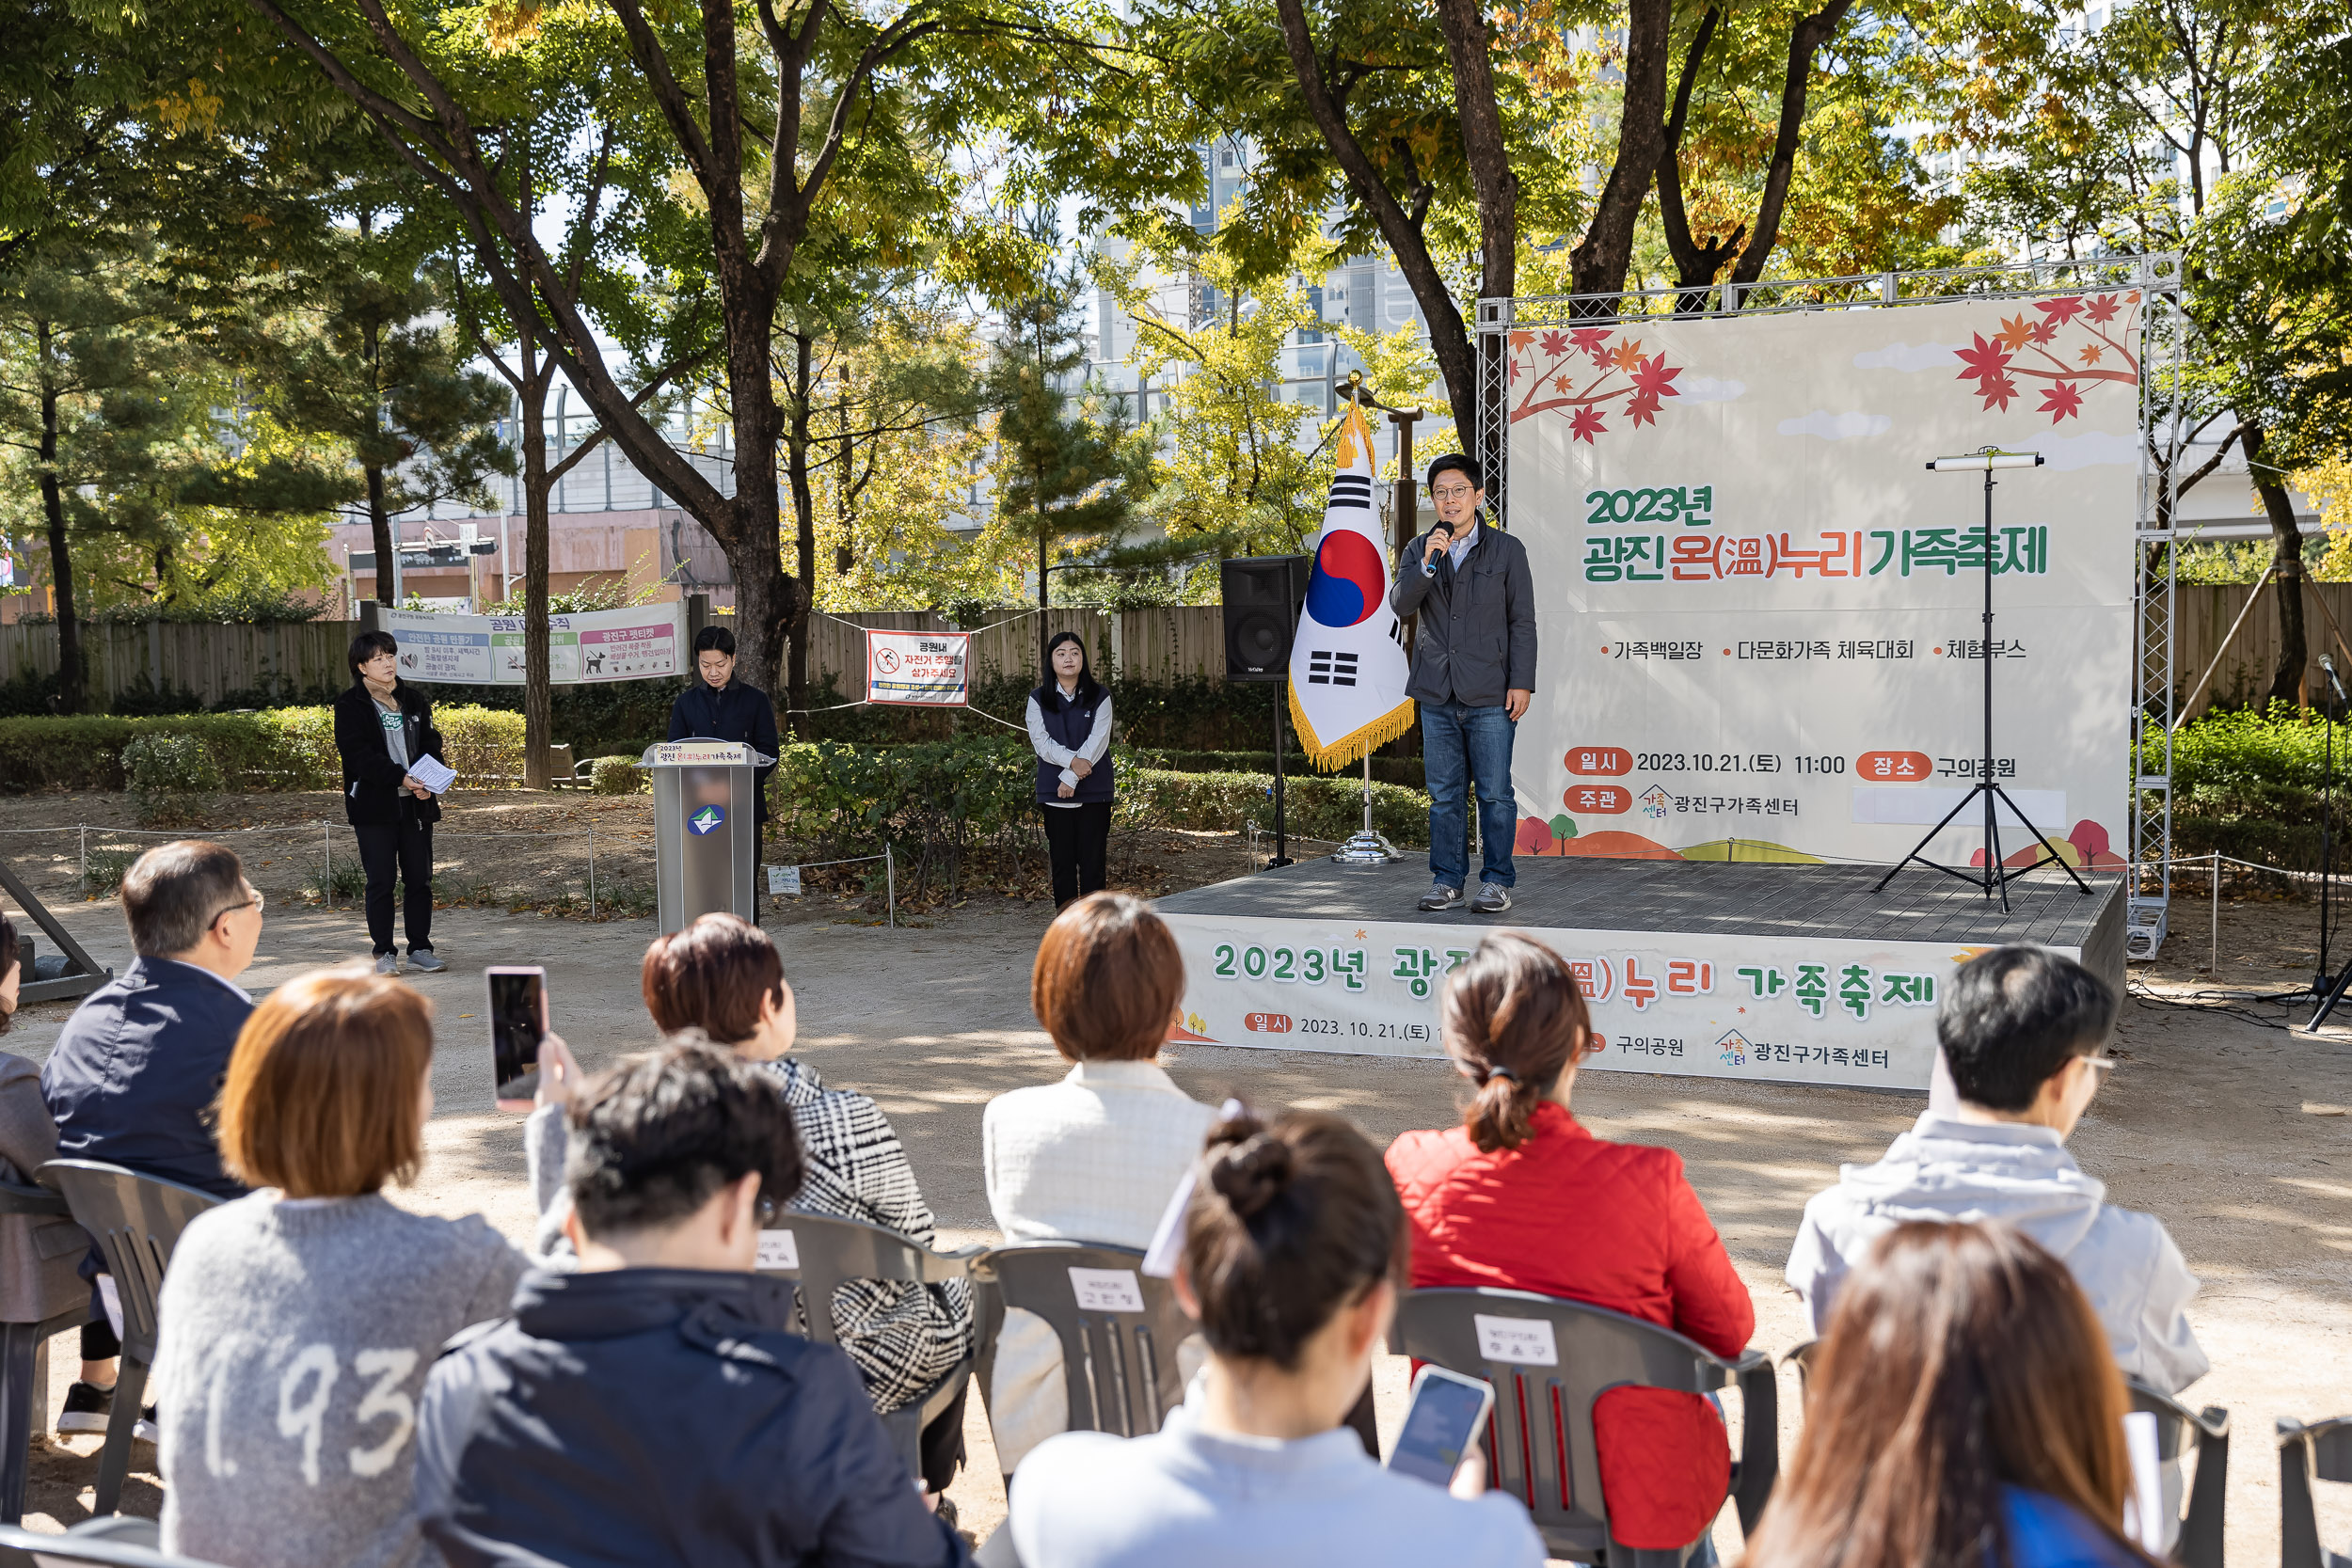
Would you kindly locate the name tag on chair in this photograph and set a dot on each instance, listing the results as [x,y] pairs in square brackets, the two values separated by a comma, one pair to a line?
[777,1250]
[1521,1341]
[1107,1290]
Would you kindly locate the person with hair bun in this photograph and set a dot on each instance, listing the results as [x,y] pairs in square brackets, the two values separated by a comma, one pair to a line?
[1521,1198]
[1963,1411]
[1293,1255]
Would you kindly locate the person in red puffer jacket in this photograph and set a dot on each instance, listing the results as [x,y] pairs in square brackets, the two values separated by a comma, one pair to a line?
[1521,1198]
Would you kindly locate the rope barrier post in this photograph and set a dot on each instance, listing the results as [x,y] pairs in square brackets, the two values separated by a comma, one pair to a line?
[592,873]
[2213,965]
[84,886]
[890,885]
[327,877]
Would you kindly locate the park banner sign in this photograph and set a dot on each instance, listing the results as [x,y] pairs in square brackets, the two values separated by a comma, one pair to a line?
[1760,615]
[1782,1009]
[640,642]
[921,669]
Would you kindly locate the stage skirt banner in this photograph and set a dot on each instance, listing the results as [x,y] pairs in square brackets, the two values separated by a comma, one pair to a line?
[641,643]
[1783,1009]
[1761,616]
[926,669]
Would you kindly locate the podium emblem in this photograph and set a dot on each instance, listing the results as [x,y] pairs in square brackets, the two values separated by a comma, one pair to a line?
[707,820]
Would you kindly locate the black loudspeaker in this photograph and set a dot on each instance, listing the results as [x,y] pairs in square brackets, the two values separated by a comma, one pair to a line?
[1264,595]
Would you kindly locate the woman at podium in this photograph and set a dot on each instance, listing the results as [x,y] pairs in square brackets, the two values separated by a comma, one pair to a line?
[1070,727]
[720,708]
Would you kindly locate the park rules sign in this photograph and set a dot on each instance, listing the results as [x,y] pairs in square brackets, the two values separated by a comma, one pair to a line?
[1760,615]
[924,669]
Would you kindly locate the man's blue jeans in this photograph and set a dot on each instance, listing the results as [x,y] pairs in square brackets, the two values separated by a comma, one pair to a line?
[1458,743]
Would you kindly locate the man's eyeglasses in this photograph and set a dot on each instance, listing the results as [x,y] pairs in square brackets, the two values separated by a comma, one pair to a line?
[253,903]
[2101,1064]
[1455,493]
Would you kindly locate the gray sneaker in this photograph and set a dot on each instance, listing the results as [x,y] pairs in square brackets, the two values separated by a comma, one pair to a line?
[425,959]
[1493,898]
[1441,896]
[388,963]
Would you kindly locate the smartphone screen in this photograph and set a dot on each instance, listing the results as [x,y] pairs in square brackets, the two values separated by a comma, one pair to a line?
[518,1018]
[1440,1425]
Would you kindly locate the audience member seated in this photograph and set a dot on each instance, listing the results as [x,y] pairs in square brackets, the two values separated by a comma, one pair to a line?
[652,1406]
[43,1257]
[1098,1156]
[1962,1410]
[1294,1252]
[299,1321]
[2024,1033]
[722,975]
[1521,1198]
[139,1066]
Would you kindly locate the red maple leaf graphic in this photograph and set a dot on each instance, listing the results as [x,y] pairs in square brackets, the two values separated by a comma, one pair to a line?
[2060,402]
[1643,405]
[1589,339]
[1998,390]
[1586,425]
[1984,364]
[2043,332]
[2103,309]
[1555,344]
[2060,311]
[1654,377]
[1515,367]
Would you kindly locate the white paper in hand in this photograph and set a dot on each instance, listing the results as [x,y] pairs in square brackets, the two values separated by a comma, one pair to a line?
[430,771]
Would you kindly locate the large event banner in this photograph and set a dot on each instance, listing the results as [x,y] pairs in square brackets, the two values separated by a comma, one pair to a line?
[1787,1010]
[640,642]
[1761,616]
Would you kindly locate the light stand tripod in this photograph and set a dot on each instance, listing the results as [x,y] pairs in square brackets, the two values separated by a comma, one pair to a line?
[2329,989]
[1997,877]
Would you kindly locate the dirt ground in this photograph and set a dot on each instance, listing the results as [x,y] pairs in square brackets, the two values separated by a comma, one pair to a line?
[2228,1125]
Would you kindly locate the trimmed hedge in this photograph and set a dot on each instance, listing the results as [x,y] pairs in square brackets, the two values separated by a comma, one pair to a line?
[286,748]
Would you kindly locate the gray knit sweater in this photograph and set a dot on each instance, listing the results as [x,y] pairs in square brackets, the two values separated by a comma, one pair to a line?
[296,1337]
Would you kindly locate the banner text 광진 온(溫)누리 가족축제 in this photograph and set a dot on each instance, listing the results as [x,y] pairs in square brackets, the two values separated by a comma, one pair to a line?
[1761,616]
[925,669]
[638,643]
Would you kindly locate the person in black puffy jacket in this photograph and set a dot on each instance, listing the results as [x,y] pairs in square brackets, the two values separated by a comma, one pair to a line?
[382,725]
[653,1407]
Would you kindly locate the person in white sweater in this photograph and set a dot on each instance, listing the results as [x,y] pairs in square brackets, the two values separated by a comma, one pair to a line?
[1293,1253]
[298,1323]
[1097,1156]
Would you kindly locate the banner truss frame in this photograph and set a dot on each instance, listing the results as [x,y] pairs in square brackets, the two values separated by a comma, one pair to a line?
[2148,722]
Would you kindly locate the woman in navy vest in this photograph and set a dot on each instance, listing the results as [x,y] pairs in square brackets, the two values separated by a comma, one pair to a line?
[1069,725]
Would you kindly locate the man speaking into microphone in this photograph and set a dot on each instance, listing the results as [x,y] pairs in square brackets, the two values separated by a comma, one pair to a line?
[1473,674]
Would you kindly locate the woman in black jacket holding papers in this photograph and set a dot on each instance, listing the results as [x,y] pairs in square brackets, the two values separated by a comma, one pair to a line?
[383,726]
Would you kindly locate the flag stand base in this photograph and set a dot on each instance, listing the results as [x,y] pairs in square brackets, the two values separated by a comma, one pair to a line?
[1365,847]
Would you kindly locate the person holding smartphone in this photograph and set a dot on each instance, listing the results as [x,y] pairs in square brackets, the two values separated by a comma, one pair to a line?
[1473,676]
[382,725]
[1292,1255]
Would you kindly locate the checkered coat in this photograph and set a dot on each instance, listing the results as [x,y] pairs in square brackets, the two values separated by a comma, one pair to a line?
[902,1336]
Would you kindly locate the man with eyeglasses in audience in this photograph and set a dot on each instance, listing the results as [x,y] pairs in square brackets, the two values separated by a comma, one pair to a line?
[2023,1032]
[139,1066]
[1474,677]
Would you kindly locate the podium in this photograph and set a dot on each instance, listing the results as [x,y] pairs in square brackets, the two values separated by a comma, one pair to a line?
[705,812]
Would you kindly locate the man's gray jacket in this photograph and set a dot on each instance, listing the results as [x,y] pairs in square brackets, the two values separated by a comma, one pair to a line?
[1477,636]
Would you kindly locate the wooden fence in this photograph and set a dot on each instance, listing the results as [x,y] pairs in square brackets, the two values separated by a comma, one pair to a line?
[218,662]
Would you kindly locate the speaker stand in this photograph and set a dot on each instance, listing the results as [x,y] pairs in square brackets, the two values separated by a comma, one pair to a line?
[1281,844]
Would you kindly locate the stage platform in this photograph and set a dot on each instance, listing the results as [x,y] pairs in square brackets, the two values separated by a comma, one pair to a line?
[1726,969]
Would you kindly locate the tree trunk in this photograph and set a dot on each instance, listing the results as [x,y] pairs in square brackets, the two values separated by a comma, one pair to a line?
[539,666]
[70,684]
[1597,265]
[1805,42]
[1498,192]
[843,556]
[803,535]
[1696,262]
[2286,680]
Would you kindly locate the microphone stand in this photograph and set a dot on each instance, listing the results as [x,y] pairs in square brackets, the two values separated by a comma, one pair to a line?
[2329,989]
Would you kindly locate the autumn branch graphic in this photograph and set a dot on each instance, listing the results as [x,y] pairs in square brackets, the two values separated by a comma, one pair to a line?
[1994,364]
[1581,370]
